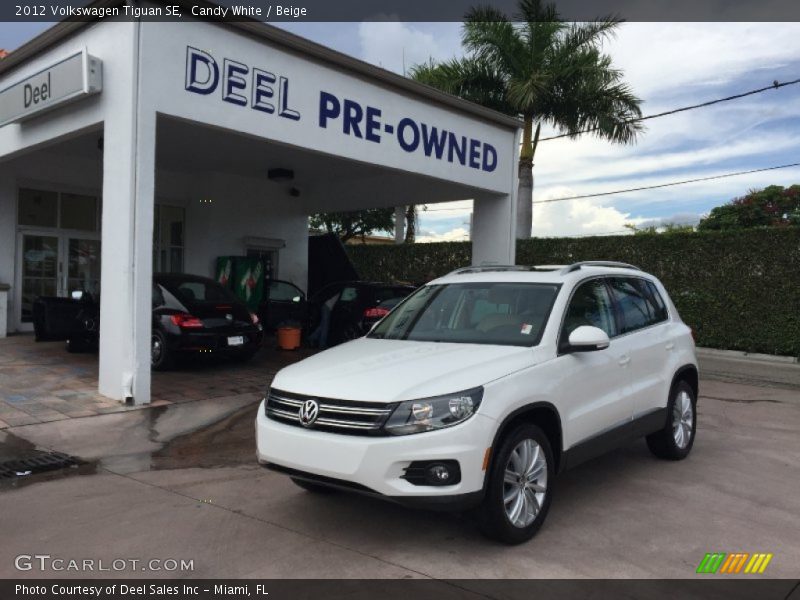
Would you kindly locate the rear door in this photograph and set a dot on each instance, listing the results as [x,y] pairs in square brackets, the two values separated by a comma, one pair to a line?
[644,327]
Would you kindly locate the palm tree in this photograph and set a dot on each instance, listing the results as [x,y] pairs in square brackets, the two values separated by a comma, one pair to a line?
[544,70]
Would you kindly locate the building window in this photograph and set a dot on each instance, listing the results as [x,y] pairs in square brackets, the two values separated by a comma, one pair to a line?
[39,208]
[168,239]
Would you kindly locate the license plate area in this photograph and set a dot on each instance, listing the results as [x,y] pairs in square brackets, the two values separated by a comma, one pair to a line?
[236,340]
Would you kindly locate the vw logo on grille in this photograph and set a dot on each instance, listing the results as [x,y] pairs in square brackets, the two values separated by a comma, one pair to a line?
[309,411]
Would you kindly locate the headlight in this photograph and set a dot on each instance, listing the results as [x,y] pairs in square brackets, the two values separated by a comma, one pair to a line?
[416,416]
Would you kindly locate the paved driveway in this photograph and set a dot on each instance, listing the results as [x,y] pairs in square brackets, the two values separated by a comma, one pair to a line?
[179,481]
[41,382]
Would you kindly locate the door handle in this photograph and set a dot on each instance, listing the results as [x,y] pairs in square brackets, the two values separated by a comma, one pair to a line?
[624,360]
[670,345]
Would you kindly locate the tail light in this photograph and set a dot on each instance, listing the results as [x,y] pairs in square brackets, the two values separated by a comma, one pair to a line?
[376,313]
[186,321]
[254,318]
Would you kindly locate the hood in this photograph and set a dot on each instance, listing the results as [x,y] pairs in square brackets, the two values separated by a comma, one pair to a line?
[391,370]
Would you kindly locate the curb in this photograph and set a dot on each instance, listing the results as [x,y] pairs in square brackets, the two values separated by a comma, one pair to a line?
[736,354]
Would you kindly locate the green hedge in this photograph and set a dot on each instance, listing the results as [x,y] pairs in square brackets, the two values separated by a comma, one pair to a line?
[739,290]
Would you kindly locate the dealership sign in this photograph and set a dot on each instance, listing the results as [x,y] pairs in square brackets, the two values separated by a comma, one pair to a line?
[254,88]
[70,79]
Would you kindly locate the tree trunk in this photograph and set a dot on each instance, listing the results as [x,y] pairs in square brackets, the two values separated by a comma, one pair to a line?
[411,224]
[525,186]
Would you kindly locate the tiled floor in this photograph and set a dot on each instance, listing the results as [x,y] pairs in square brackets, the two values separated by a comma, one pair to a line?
[42,382]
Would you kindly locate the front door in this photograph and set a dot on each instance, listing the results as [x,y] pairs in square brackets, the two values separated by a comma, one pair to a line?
[55,264]
[594,385]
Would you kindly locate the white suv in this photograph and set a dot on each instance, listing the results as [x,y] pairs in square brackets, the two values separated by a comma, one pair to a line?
[482,385]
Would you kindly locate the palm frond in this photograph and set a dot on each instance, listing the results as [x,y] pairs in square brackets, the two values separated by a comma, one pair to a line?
[467,78]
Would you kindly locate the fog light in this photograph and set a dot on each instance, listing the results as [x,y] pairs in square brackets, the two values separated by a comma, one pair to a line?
[438,474]
[433,472]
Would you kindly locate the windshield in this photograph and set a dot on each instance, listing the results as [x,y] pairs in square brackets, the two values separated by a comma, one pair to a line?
[509,314]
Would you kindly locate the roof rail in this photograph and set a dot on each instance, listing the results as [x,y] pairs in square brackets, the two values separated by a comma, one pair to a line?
[519,268]
[597,263]
[484,268]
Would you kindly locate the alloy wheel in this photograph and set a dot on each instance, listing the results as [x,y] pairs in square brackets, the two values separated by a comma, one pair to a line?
[682,419]
[525,483]
[156,349]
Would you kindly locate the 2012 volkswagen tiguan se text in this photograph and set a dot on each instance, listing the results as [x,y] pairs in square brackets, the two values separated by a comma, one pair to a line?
[481,386]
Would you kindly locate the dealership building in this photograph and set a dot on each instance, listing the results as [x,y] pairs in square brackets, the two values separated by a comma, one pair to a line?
[128,147]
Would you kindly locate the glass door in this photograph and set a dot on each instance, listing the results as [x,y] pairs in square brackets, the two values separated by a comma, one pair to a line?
[40,270]
[83,266]
[56,265]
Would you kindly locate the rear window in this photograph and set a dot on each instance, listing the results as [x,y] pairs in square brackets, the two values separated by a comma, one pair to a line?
[383,295]
[197,291]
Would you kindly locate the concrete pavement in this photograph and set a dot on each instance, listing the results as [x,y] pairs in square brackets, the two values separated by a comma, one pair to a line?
[179,481]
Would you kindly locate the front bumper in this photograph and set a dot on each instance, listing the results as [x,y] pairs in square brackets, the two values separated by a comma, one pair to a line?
[375,465]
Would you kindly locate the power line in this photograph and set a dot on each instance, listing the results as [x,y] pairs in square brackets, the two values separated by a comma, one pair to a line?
[775,85]
[670,184]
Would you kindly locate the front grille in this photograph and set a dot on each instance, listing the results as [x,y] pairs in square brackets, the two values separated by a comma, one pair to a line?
[339,416]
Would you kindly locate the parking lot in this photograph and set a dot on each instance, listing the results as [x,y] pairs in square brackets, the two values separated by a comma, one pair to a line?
[179,481]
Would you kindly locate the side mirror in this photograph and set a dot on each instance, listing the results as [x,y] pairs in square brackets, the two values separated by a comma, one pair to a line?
[297,299]
[77,294]
[588,339]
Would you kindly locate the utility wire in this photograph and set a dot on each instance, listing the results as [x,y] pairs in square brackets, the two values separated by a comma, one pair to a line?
[775,85]
[670,184]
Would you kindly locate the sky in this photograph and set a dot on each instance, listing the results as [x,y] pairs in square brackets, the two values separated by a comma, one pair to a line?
[668,65]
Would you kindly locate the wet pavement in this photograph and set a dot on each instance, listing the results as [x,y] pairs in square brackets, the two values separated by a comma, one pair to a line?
[181,481]
[40,382]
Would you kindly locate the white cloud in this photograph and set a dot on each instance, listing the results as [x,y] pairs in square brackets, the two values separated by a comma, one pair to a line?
[394,45]
[458,234]
[664,57]
[576,217]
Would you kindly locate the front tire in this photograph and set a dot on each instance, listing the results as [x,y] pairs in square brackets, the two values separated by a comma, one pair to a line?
[675,441]
[520,486]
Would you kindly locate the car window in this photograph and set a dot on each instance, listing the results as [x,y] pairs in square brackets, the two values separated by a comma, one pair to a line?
[192,291]
[636,305]
[472,313]
[283,291]
[590,305]
[661,307]
[158,296]
[382,294]
[349,294]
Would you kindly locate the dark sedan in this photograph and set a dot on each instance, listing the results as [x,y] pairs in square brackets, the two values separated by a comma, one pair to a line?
[346,310]
[192,315]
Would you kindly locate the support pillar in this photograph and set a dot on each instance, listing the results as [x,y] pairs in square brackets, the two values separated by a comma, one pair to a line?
[127,254]
[493,225]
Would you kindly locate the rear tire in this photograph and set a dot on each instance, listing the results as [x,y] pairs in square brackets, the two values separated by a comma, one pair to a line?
[161,359]
[520,486]
[675,441]
[314,488]
[76,345]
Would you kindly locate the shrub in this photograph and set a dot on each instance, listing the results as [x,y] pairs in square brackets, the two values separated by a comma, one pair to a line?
[738,289]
